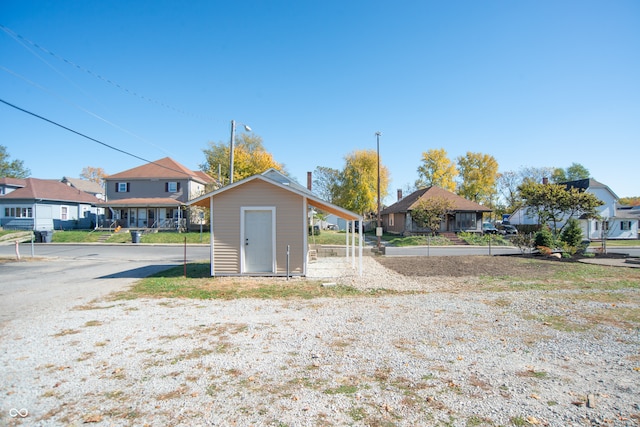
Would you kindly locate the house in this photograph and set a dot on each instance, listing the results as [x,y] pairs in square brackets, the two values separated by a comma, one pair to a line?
[153,195]
[44,204]
[614,222]
[85,185]
[259,225]
[465,216]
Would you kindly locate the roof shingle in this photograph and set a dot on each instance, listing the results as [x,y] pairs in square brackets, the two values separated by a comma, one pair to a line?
[460,204]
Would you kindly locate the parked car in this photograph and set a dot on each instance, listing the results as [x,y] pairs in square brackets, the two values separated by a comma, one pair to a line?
[488,228]
[508,229]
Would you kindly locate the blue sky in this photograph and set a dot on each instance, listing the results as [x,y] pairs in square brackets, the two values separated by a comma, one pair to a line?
[532,83]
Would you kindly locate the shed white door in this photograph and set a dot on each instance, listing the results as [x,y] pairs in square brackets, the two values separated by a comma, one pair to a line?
[257,241]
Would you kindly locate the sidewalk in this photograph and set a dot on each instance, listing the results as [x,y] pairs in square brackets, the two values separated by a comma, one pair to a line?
[613,262]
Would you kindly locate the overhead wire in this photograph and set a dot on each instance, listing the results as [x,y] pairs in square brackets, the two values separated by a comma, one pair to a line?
[21,40]
[17,36]
[86,136]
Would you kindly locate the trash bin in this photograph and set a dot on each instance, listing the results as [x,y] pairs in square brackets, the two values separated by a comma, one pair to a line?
[46,236]
[135,236]
[37,237]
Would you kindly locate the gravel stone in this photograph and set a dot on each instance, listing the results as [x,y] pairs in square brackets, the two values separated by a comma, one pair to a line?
[424,358]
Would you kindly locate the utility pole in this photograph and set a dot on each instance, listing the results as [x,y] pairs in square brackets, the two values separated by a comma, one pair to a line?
[379,227]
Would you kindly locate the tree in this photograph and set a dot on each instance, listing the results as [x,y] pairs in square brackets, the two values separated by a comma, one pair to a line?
[507,185]
[250,158]
[553,203]
[478,173]
[325,182]
[93,174]
[574,172]
[437,169]
[358,185]
[430,212]
[11,169]
[630,201]
[572,233]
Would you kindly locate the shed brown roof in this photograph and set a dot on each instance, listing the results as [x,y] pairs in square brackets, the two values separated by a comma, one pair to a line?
[460,204]
[163,168]
[48,189]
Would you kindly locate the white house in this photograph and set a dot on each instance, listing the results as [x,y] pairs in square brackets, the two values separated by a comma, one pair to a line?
[614,222]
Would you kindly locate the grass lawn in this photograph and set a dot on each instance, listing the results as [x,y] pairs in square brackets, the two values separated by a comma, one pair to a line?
[326,237]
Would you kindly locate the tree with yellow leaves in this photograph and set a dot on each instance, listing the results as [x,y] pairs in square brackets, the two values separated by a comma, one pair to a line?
[250,158]
[437,169]
[478,173]
[357,189]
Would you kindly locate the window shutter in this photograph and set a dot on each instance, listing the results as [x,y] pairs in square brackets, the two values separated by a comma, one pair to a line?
[127,187]
[117,187]
[166,187]
[178,187]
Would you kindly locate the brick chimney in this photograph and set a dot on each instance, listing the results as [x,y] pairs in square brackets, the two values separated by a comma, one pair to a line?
[309,181]
[399,194]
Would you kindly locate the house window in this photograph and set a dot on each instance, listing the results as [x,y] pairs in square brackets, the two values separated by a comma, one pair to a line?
[18,212]
[465,220]
[64,213]
[391,220]
[122,187]
[172,187]
[625,225]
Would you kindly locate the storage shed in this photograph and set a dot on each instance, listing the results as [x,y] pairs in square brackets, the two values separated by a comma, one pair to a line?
[259,226]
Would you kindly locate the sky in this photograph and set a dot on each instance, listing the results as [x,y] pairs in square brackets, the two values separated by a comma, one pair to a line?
[531,83]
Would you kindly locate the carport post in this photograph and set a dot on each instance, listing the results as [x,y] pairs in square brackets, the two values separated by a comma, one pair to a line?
[353,244]
[360,248]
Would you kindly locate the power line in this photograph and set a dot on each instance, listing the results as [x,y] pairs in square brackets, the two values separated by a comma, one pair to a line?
[15,36]
[86,136]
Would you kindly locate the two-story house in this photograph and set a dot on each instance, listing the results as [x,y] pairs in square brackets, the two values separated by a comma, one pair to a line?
[612,222]
[153,195]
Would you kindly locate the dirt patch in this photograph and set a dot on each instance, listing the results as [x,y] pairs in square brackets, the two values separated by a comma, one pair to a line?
[475,266]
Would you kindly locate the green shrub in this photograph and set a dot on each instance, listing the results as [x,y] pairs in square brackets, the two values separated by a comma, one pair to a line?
[572,233]
[544,238]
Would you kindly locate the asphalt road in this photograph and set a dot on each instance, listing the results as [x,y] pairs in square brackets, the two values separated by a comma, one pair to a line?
[66,275]
[63,276]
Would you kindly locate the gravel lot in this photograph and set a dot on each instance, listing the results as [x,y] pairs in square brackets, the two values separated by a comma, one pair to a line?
[432,357]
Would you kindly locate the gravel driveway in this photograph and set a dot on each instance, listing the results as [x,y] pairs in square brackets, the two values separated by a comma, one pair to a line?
[426,358]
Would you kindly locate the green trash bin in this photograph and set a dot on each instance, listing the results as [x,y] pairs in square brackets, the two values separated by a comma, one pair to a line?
[135,236]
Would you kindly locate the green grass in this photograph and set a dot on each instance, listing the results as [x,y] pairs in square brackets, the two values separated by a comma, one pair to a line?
[124,236]
[326,237]
[612,243]
[416,240]
[330,237]
[198,284]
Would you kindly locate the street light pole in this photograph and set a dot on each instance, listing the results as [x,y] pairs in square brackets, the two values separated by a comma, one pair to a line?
[231,147]
[378,231]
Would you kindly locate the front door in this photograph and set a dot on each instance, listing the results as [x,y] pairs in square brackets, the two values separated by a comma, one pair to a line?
[257,240]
